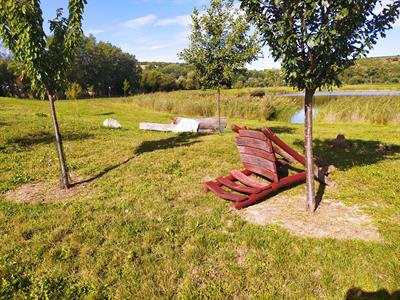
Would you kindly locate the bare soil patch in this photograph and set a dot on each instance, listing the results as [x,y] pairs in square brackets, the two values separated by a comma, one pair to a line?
[331,219]
[44,192]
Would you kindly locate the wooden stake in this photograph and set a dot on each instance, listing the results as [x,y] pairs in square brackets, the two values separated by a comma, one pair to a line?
[60,150]
[311,203]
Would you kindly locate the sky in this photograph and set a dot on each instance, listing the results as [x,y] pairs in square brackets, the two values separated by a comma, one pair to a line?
[156,30]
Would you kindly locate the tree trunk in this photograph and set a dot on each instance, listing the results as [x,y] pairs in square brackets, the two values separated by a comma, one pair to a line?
[219,108]
[60,151]
[311,204]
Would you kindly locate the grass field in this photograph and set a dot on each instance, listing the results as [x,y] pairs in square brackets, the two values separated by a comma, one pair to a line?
[144,228]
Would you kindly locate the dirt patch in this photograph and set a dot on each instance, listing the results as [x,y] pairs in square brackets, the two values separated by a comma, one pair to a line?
[331,220]
[44,192]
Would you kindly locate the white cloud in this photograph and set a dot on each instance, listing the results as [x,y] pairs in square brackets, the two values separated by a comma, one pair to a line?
[157,47]
[184,20]
[94,31]
[149,19]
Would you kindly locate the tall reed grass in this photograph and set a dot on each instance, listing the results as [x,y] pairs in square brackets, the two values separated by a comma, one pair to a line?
[200,103]
[364,109]
[367,109]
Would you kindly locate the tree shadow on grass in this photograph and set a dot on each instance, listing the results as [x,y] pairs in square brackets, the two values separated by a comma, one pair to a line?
[382,294]
[280,129]
[46,138]
[104,171]
[356,153]
[183,139]
[320,194]
[105,114]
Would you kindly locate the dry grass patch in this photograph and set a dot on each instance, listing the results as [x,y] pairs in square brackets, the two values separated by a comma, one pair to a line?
[331,219]
[45,191]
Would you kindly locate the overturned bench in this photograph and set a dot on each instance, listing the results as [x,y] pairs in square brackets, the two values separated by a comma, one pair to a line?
[180,124]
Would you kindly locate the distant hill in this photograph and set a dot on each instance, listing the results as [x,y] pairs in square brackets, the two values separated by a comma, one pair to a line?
[385,69]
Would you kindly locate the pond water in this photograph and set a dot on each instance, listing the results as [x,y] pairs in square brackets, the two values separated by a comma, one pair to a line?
[325,97]
[349,93]
[299,116]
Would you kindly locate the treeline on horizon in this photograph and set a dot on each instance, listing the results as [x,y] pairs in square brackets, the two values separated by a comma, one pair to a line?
[103,70]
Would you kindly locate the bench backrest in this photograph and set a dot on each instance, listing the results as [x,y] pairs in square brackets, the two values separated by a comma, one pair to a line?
[257,153]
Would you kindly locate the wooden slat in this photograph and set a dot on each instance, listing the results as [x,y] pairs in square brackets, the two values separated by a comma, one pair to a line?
[254,143]
[258,161]
[237,187]
[262,171]
[297,156]
[287,181]
[236,128]
[212,186]
[247,180]
[257,152]
[253,134]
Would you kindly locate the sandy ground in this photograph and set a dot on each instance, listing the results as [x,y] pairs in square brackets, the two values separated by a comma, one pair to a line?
[332,219]
[44,192]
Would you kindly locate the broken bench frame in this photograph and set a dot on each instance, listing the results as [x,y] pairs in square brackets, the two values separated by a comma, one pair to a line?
[258,150]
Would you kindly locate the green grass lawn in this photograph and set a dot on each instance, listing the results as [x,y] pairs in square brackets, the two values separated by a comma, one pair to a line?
[144,227]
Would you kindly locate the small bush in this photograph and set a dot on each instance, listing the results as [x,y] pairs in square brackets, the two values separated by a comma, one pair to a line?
[74,91]
[91,91]
[257,93]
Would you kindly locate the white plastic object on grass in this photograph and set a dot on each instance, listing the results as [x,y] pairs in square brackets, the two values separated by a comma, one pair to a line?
[186,125]
[111,123]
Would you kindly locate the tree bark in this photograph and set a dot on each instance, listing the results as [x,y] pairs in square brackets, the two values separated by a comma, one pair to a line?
[60,150]
[219,108]
[311,203]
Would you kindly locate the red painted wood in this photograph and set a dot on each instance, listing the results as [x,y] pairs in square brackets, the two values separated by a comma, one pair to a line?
[257,152]
[244,172]
[236,128]
[254,143]
[212,186]
[246,180]
[237,187]
[258,155]
[252,134]
[287,181]
[258,161]
[261,171]
[296,155]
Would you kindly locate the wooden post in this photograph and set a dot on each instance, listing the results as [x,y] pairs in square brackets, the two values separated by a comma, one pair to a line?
[219,108]
[60,150]
[311,203]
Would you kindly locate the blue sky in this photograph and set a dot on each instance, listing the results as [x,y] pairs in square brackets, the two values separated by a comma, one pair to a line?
[156,30]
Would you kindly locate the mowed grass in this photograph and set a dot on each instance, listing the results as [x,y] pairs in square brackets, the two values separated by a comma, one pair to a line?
[144,227]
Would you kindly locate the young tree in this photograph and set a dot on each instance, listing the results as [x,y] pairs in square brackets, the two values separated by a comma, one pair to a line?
[220,45]
[126,86]
[104,65]
[45,61]
[315,41]
[74,91]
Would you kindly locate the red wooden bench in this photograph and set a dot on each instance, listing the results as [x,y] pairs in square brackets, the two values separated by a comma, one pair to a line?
[259,152]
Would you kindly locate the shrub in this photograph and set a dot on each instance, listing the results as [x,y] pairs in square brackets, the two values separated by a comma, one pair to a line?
[257,93]
[91,91]
[74,91]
